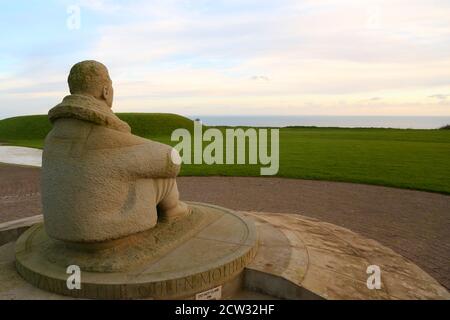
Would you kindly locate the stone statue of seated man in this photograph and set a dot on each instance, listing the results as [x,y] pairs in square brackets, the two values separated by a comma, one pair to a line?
[99,181]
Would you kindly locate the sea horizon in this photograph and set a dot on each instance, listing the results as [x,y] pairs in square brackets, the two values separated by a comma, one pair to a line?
[394,122]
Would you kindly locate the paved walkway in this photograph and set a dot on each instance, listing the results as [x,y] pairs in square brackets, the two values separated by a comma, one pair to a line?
[414,224]
[21,155]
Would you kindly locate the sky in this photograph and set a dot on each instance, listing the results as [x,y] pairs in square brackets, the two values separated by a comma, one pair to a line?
[232,57]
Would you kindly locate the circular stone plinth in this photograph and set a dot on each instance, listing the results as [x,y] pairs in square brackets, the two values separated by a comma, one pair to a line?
[213,252]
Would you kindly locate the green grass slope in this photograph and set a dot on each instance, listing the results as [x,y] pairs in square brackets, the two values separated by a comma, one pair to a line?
[25,130]
[30,131]
[415,159]
[152,125]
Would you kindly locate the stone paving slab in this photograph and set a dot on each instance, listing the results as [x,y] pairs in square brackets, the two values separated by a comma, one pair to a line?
[331,261]
[11,230]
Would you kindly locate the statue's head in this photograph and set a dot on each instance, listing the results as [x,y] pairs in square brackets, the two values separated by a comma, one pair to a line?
[91,78]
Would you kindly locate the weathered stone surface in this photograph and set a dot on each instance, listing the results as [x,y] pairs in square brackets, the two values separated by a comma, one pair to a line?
[330,262]
[291,262]
[214,253]
[99,181]
[125,253]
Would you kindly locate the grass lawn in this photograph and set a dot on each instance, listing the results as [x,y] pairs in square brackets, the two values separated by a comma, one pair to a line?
[416,159]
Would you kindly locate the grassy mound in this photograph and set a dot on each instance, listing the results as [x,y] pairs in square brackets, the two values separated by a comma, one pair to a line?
[33,127]
[153,125]
[31,130]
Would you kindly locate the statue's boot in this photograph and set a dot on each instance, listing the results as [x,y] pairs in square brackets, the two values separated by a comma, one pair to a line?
[170,207]
[179,211]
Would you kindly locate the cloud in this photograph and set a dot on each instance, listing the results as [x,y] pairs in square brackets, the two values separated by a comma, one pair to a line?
[260,78]
[440,96]
[198,56]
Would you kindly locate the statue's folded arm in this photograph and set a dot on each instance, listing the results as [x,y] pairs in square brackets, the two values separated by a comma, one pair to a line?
[149,160]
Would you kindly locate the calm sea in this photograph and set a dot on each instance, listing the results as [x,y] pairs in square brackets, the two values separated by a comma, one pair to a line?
[328,121]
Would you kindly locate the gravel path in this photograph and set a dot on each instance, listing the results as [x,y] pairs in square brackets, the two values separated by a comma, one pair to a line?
[414,224]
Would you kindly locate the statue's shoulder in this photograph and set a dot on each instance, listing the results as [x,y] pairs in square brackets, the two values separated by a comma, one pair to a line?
[103,137]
